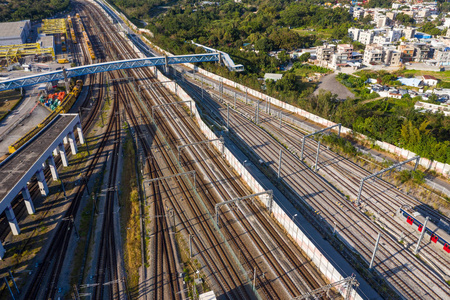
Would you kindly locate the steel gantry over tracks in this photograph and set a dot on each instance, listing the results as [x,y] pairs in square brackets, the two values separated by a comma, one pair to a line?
[416,158]
[218,205]
[351,283]
[317,132]
[107,66]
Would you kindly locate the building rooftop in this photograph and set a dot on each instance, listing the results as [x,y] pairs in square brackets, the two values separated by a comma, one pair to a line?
[46,41]
[427,77]
[272,76]
[410,81]
[12,29]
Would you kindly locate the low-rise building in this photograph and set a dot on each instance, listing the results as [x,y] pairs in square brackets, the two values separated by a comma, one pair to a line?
[429,80]
[414,82]
[272,76]
[425,106]
[13,33]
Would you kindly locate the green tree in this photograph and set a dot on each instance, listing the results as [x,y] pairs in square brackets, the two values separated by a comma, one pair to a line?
[304,57]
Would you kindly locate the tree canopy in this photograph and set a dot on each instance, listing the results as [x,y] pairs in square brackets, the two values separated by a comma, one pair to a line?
[17,10]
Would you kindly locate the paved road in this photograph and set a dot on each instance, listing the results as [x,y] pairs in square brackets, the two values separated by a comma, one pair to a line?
[329,83]
[19,121]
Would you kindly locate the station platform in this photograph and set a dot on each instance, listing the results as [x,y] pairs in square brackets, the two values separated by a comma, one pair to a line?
[15,168]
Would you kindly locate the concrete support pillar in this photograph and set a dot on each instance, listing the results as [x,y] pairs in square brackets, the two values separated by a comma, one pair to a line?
[55,151]
[12,220]
[80,133]
[2,251]
[65,140]
[42,183]
[52,165]
[62,152]
[28,201]
[73,143]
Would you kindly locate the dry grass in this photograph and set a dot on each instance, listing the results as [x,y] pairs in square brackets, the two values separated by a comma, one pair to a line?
[129,218]
[8,100]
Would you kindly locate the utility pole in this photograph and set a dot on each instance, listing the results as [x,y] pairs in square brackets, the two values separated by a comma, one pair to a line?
[374,251]
[191,236]
[257,113]
[279,163]
[317,156]
[424,228]
[228,116]
[14,281]
[9,288]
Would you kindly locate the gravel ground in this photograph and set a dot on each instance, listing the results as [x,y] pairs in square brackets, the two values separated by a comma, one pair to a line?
[329,83]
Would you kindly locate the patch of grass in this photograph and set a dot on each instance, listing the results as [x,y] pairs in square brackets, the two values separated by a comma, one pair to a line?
[129,216]
[439,75]
[8,100]
[320,33]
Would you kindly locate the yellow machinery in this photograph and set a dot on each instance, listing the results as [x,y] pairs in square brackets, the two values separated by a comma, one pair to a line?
[12,53]
[72,30]
[65,106]
[53,26]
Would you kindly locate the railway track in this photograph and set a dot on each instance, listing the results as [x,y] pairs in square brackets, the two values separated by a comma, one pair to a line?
[326,200]
[141,116]
[48,272]
[381,195]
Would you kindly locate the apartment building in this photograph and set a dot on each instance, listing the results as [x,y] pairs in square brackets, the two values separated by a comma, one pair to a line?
[353,33]
[442,56]
[422,52]
[392,57]
[391,15]
[374,54]
[407,52]
[382,22]
[325,52]
[394,34]
[366,37]
[409,33]
[381,39]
